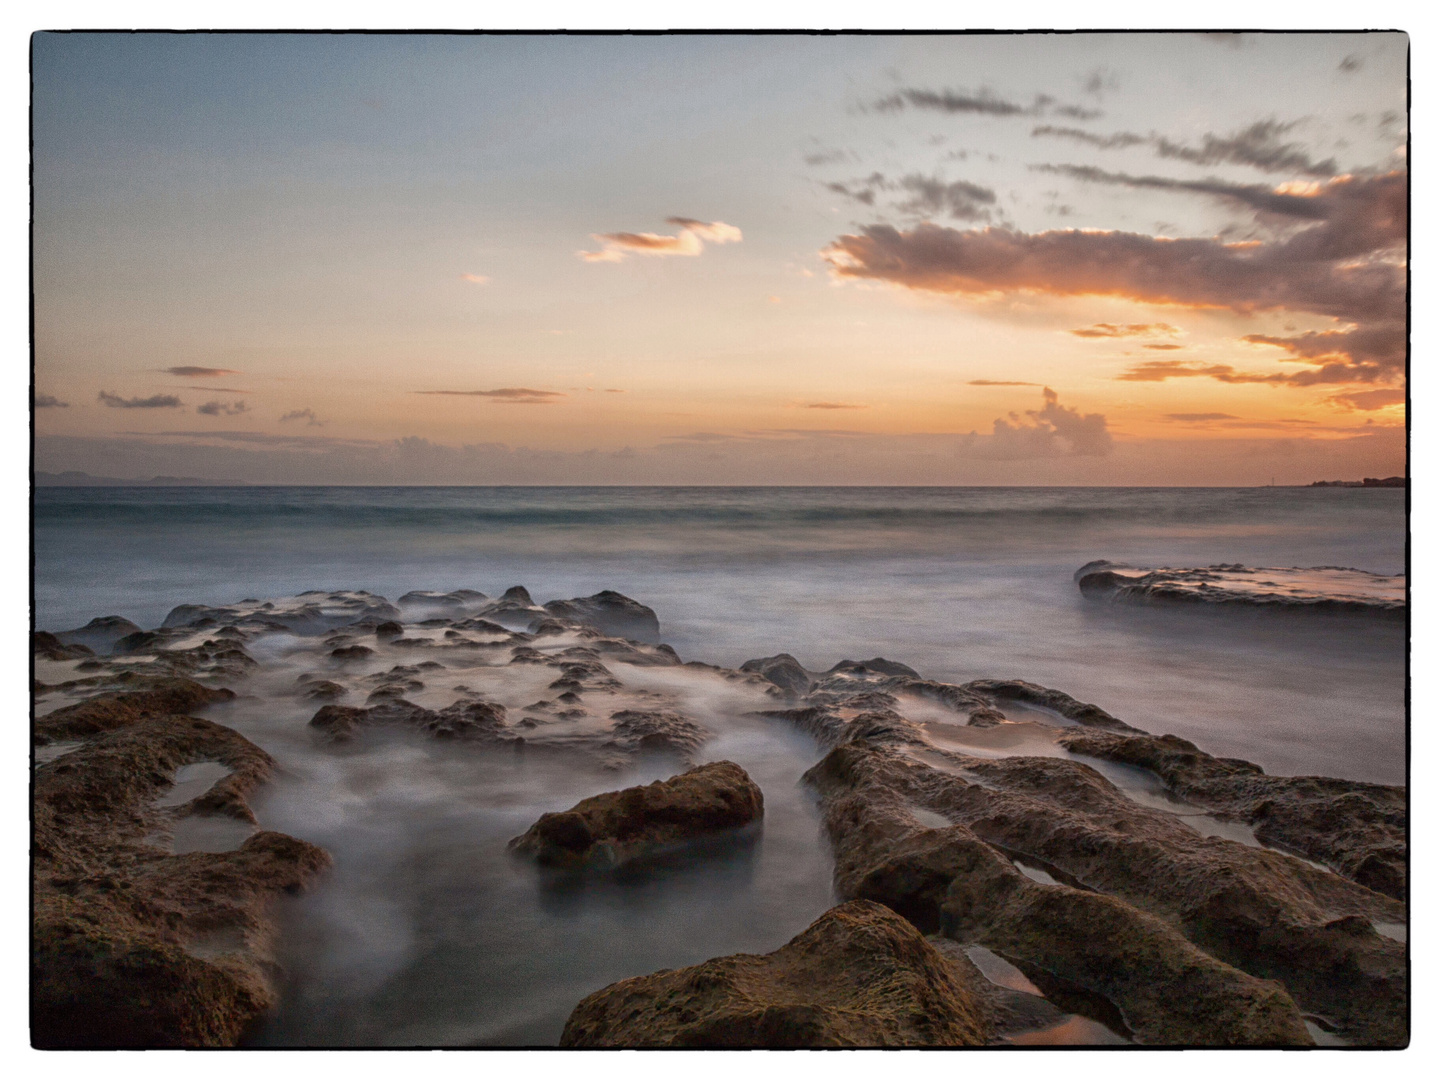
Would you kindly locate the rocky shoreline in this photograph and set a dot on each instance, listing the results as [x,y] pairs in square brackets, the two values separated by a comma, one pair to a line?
[1011,865]
[1333,589]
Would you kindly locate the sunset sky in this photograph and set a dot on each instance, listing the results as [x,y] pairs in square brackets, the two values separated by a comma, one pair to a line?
[1093,259]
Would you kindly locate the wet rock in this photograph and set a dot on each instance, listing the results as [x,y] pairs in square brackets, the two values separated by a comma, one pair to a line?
[134,947]
[1001,690]
[467,719]
[1339,589]
[352,652]
[611,613]
[309,614]
[1355,828]
[783,670]
[857,977]
[605,831]
[579,676]
[655,729]
[106,712]
[950,880]
[50,647]
[458,602]
[99,635]
[388,631]
[877,666]
[324,690]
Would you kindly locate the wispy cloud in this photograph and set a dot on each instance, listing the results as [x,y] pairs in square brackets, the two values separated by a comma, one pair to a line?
[1259,146]
[1198,417]
[923,196]
[831,405]
[1118,330]
[1160,370]
[475,279]
[511,395]
[983,102]
[49,401]
[158,401]
[1000,382]
[1370,400]
[219,408]
[308,415]
[690,240]
[189,372]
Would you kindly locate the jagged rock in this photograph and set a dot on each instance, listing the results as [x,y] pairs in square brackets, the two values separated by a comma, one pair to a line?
[51,647]
[1355,828]
[354,652]
[135,947]
[857,977]
[467,719]
[99,635]
[388,631]
[611,613]
[605,831]
[877,666]
[579,676]
[311,613]
[1000,690]
[654,729]
[105,712]
[456,602]
[1169,991]
[783,670]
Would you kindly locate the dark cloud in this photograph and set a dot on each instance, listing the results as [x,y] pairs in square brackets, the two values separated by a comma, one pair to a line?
[198,372]
[981,103]
[826,157]
[158,401]
[219,408]
[1000,382]
[263,438]
[308,415]
[1259,146]
[217,389]
[48,401]
[1116,330]
[512,395]
[1198,417]
[1369,400]
[1228,38]
[923,196]
[1351,63]
[1346,262]
[1052,431]
[1268,200]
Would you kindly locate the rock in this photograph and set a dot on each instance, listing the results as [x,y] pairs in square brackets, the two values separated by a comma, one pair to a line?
[1355,828]
[388,631]
[857,977]
[324,690]
[106,712]
[1000,690]
[467,719]
[52,648]
[352,652]
[611,613]
[99,635]
[423,604]
[1276,588]
[655,729]
[1168,991]
[605,831]
[309,614]
[135,947]
[783,670]
[877,666]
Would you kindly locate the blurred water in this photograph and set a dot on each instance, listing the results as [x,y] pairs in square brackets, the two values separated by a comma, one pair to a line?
[957,582]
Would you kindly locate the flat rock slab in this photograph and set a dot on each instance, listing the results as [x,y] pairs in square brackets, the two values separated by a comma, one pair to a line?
[859,976]
[617,827]
[1315,588]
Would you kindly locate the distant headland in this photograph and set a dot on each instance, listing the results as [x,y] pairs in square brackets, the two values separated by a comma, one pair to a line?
[1369,481]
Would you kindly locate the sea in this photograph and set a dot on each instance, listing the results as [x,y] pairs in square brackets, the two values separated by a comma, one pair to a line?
[425,934]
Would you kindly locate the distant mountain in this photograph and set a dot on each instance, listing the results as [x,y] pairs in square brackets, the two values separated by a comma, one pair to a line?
[72,478]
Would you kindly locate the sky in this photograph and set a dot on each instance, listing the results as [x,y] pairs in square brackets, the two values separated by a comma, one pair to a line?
[1014,259]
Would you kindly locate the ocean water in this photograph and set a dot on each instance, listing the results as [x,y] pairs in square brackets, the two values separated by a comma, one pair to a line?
[959,583]
[426,933]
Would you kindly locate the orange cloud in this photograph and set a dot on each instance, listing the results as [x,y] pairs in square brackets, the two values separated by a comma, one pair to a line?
[510,395]
[1345,261]
[690,240]
[1115,330]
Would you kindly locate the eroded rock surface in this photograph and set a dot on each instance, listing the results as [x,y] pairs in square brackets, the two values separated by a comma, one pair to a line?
[605,831]
[611,613]
[1291,588]
[859,976]
[133,946]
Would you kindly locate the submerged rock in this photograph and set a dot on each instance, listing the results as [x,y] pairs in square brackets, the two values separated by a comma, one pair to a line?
[859,976]
[467,719]
[1287,588]
[311,613]
[605,831]
[136,947]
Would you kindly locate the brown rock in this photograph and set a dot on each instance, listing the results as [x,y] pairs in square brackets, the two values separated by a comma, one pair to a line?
[859,976]
[607,830]
[135,947]
[106,712]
